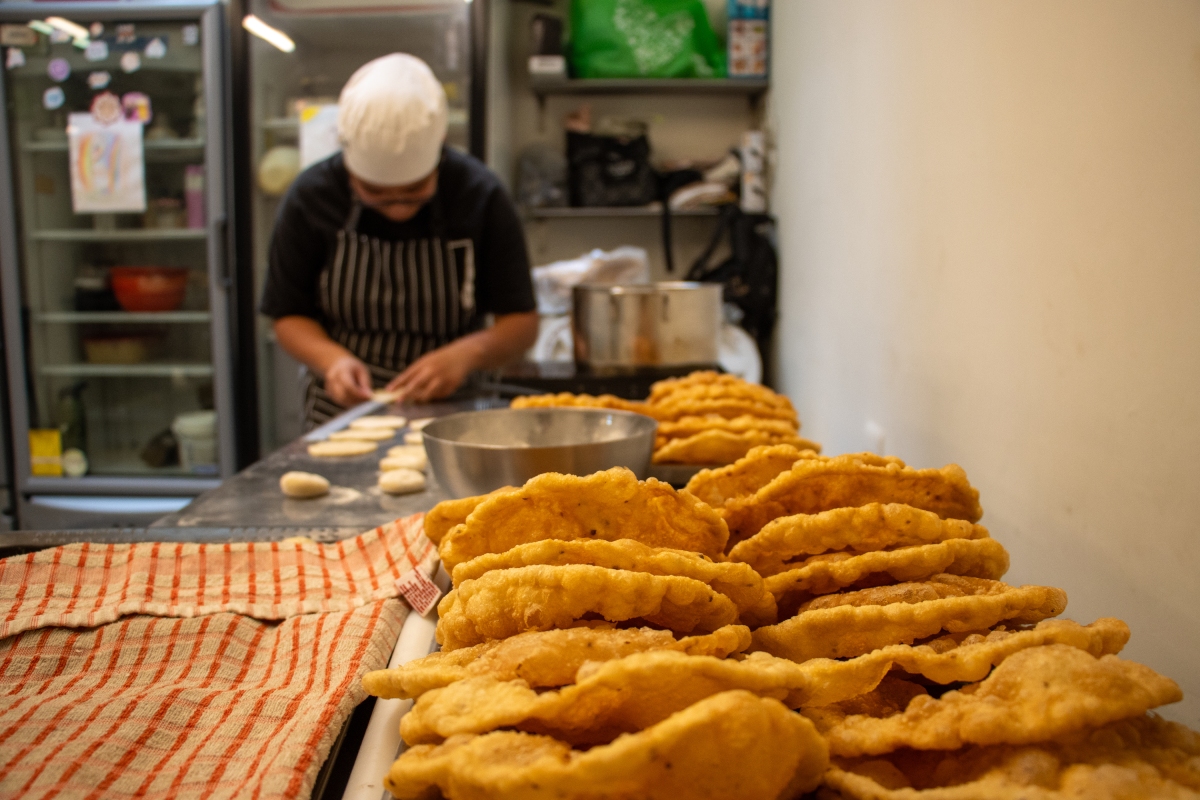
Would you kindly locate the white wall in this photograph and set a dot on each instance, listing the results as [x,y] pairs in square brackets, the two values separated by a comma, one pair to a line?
[990,241]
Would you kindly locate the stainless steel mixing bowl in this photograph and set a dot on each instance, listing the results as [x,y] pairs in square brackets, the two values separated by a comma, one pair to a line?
[477,451]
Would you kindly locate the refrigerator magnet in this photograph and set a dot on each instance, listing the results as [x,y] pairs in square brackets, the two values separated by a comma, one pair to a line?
[191,35]
[106,108]
[131,62]
[14,58]
[53,98]
[137,107]
[126,33]
[157,48]
[18,36]
[99,80]
[97,50]
[96,30]
[59,69]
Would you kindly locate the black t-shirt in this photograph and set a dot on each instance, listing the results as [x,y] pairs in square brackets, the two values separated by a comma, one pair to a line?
[474,206]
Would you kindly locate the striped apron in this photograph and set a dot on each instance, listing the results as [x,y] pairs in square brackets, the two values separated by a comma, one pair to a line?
[391,302]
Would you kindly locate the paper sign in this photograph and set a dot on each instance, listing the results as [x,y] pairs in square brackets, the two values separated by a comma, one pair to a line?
[191,35]
[107,168]
[318,133]
[420,592]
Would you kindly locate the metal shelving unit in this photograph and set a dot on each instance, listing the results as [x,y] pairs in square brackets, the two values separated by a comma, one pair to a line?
[594,212]
[120,235]
[121,317]
[128,370]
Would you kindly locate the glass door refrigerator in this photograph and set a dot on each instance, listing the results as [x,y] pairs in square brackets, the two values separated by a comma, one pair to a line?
[294,84]
[114,257]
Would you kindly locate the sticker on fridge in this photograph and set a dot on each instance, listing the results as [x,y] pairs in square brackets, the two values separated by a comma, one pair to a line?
[107,168]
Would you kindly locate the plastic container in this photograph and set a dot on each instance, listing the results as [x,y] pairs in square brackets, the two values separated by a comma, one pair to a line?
[149,288]
[196,433]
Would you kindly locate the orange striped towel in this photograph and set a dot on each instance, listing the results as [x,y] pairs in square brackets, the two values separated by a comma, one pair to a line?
[186,698]
[83,585]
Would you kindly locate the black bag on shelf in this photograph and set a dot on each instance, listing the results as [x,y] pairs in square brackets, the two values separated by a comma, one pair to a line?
[608,171]
[751,273]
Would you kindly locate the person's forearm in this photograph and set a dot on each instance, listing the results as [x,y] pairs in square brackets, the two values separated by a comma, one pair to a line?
[509,337]
[306,341]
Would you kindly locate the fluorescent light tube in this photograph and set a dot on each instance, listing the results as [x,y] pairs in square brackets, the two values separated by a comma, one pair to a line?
[265,32]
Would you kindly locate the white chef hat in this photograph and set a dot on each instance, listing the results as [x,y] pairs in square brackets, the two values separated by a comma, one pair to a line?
[392,120]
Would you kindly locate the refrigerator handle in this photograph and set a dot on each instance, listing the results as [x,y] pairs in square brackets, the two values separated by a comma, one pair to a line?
[224,259]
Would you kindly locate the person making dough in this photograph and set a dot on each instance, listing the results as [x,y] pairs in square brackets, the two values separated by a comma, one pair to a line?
[386,256]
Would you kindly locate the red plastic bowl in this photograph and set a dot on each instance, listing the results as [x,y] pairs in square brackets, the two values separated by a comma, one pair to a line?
[149,288]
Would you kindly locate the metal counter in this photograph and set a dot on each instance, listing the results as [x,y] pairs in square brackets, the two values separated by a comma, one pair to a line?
[249,507]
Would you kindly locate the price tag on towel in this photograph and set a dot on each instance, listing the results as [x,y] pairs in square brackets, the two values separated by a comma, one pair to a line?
[420,592]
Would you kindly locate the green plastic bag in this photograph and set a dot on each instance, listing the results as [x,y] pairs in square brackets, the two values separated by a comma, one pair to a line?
[644,39]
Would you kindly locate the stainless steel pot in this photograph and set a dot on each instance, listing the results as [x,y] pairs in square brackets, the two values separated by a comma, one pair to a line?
[655,324]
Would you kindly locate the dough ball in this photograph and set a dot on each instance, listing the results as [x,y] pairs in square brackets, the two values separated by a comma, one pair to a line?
[341,449]
[401,481]
[303,484]
[381,396]
[414,437]
[419,424]
[379,421]
[404,457]
[362,434]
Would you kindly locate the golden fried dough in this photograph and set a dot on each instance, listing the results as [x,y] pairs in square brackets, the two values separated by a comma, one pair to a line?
[738,582]
[1140,757]
[580,401]
[544,658]
[729,745]
[628,694]
[508,601]
[690,426]
[722,447]
[660,389]
[971,656]
[608,505]
[785,541]
[674,408]
[815,485]
[747,475]
[832,572]
[1035,695]
[740,390]
[448,513]
[850,624]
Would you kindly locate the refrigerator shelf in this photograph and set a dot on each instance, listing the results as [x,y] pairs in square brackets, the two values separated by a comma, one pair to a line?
[119,317]
[148,144]
[120,235]
[128,370]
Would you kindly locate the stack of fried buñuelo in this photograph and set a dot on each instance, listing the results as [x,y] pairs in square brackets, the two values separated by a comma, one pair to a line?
[614,638]
[703,418]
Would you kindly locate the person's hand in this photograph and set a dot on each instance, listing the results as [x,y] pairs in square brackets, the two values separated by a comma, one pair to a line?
[433,375]
[348,381]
